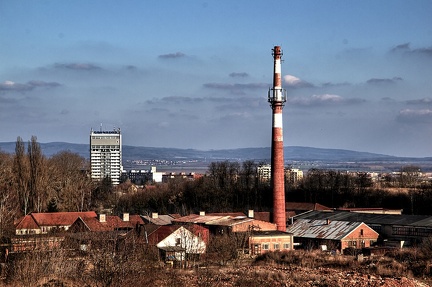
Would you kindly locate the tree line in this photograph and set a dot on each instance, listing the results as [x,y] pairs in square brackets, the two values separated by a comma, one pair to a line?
[231,186]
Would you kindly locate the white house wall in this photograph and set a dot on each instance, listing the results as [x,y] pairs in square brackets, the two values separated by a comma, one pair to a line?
[189,241]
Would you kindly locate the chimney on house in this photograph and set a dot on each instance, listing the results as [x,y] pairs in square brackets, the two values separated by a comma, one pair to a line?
[202,213]
[154,215]
[327,221]
[102,217]
[125,216]
[251,213]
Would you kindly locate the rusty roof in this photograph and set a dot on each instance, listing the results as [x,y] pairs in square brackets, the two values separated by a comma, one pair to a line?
[323,229]
[232,214]
[305,206]
[199,219]
[230,221]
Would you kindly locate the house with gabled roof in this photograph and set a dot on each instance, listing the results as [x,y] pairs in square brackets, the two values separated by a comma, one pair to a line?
[337,235]
[43,223]
[43,231]
[88,231]
[179,243]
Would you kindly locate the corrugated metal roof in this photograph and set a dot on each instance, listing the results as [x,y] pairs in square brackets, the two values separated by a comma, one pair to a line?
[322,229]
[369,218]
[161,219]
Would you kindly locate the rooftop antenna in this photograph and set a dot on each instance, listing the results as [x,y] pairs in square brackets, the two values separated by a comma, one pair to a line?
[101,127]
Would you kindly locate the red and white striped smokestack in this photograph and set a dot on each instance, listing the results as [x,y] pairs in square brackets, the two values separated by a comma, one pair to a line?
[277,99]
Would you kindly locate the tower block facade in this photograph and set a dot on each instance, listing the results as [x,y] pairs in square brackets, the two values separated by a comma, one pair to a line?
[277,99]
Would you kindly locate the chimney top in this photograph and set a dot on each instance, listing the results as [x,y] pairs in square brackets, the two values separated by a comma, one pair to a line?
[202,213]
[251,213]
[102,217]
[154,215]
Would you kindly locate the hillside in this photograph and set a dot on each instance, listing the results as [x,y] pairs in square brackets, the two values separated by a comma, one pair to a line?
[292,153]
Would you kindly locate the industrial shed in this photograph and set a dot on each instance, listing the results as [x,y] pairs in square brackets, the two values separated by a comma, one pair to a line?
[335,235]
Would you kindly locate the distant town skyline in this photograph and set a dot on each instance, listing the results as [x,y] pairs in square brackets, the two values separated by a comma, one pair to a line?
[195,74]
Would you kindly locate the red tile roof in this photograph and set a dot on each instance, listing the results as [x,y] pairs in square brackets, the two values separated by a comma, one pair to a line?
[136,219]
[37,220]
[93,224]
[60,218]
[27,222]
[161,233]
[112,223]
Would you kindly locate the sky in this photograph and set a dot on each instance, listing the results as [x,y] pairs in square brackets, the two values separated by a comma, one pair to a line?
[196,74]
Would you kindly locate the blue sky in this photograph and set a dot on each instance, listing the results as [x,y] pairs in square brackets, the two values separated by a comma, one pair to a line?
[195,74]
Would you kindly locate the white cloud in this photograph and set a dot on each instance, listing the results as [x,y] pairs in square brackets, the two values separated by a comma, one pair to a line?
[411,115]
[294,82]
[324,99]
[291,80]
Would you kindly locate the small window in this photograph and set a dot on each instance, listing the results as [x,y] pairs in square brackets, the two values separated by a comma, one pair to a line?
[286,246]
[265,246]
[276,246]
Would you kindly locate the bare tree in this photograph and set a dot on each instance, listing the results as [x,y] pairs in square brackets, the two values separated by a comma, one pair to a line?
[22,175]
[38,178]
[68,183]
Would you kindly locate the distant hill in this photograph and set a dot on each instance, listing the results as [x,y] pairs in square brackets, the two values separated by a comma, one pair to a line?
[259,154]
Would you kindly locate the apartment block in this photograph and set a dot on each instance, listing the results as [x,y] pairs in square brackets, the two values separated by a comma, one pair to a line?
[106,155]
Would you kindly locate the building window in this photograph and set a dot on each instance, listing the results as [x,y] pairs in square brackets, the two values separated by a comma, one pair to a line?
[265,246]
[276,246]
[286,246]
